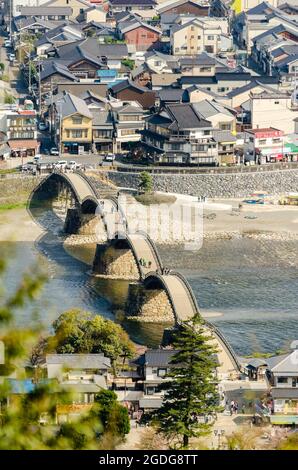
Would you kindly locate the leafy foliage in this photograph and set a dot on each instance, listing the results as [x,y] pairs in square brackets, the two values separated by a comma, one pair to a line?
[146,183]
[77,331]
[30,419]
[190,391]
[114,416]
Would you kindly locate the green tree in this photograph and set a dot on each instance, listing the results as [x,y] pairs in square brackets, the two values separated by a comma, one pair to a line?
[77,331]
[112,414]
[191,391]
[146,183]
[20,426]
[9,99]
[2,67]
[128,63]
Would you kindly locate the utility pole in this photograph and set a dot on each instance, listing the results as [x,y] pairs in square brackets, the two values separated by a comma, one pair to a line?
[10,19]
[39,87]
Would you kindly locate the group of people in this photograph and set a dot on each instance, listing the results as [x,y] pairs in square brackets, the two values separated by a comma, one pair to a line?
[234,407]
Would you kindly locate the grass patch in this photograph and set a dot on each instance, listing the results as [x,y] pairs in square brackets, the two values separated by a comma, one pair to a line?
[153,198]
[8,171]
[10,206]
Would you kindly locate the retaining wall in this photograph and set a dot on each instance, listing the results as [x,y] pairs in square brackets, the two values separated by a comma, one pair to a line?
[217,185]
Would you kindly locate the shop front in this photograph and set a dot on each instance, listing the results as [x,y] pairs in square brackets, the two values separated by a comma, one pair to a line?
[24,148]
[76,148]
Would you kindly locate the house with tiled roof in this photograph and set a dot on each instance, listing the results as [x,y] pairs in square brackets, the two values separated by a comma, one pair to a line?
[178,135]
[138,36]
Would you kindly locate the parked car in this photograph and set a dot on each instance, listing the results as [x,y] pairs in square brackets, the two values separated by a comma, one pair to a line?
[29,167]
[42,126]
[60,165]
[12,57]
[37,158]
[109,157]
[7,43]
[54,151]
[72,165]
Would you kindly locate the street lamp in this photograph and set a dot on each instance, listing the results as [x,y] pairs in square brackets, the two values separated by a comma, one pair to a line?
[219,433]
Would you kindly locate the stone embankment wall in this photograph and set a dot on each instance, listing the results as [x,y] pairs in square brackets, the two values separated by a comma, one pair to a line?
[219,185]
[148,305]
[17,189]
[116,263]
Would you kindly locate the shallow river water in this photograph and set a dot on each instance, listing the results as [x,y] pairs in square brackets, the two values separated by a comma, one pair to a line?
[251,285]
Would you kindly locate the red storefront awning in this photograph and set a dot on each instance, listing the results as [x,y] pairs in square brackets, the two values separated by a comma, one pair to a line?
[23,144]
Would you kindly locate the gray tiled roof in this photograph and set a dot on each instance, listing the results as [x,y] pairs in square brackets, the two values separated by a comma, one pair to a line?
[150,403]
[43,11]
[171,94]
[51,67]
[185,117]
[80,361]
[200,59]
[284,392]
[224,136]
[207,108]
[158,357]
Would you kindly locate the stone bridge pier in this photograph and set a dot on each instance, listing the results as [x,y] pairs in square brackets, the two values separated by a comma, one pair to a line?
[149,304]
[78,223]
[115,259]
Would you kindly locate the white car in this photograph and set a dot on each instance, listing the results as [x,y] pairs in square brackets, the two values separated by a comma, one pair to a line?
[42,126]
[60,165]
[12,57]
[54,151]
[37,158]
[72,165]
[7,43]
[110,157]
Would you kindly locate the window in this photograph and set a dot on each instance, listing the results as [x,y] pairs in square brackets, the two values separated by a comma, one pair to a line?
[175,146]
[205,69]
[150,390]
[192,37]
[210,38]
[127,132]
[282,380]
[192,28]
[276,141]
[262,141]
[157,63]
[199,37]
[77,120]
[161,372]
[225,126]
[276,102]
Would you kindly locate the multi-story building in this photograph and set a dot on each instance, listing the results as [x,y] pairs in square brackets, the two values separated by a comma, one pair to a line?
[278,109]
[282,375]
[264,145]
[178,135]
[128,122]
[21,130]
[75,125]
[207,34]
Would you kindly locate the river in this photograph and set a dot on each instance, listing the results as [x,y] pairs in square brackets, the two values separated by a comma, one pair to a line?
[249,284]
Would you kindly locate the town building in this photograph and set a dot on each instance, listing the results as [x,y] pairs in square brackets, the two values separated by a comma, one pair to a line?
[264,145]
[188,7]
[178,135]
[127,90]
[199,35]
[129,123]
[20,126]
[76,124]
[138,36]
[282,108]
